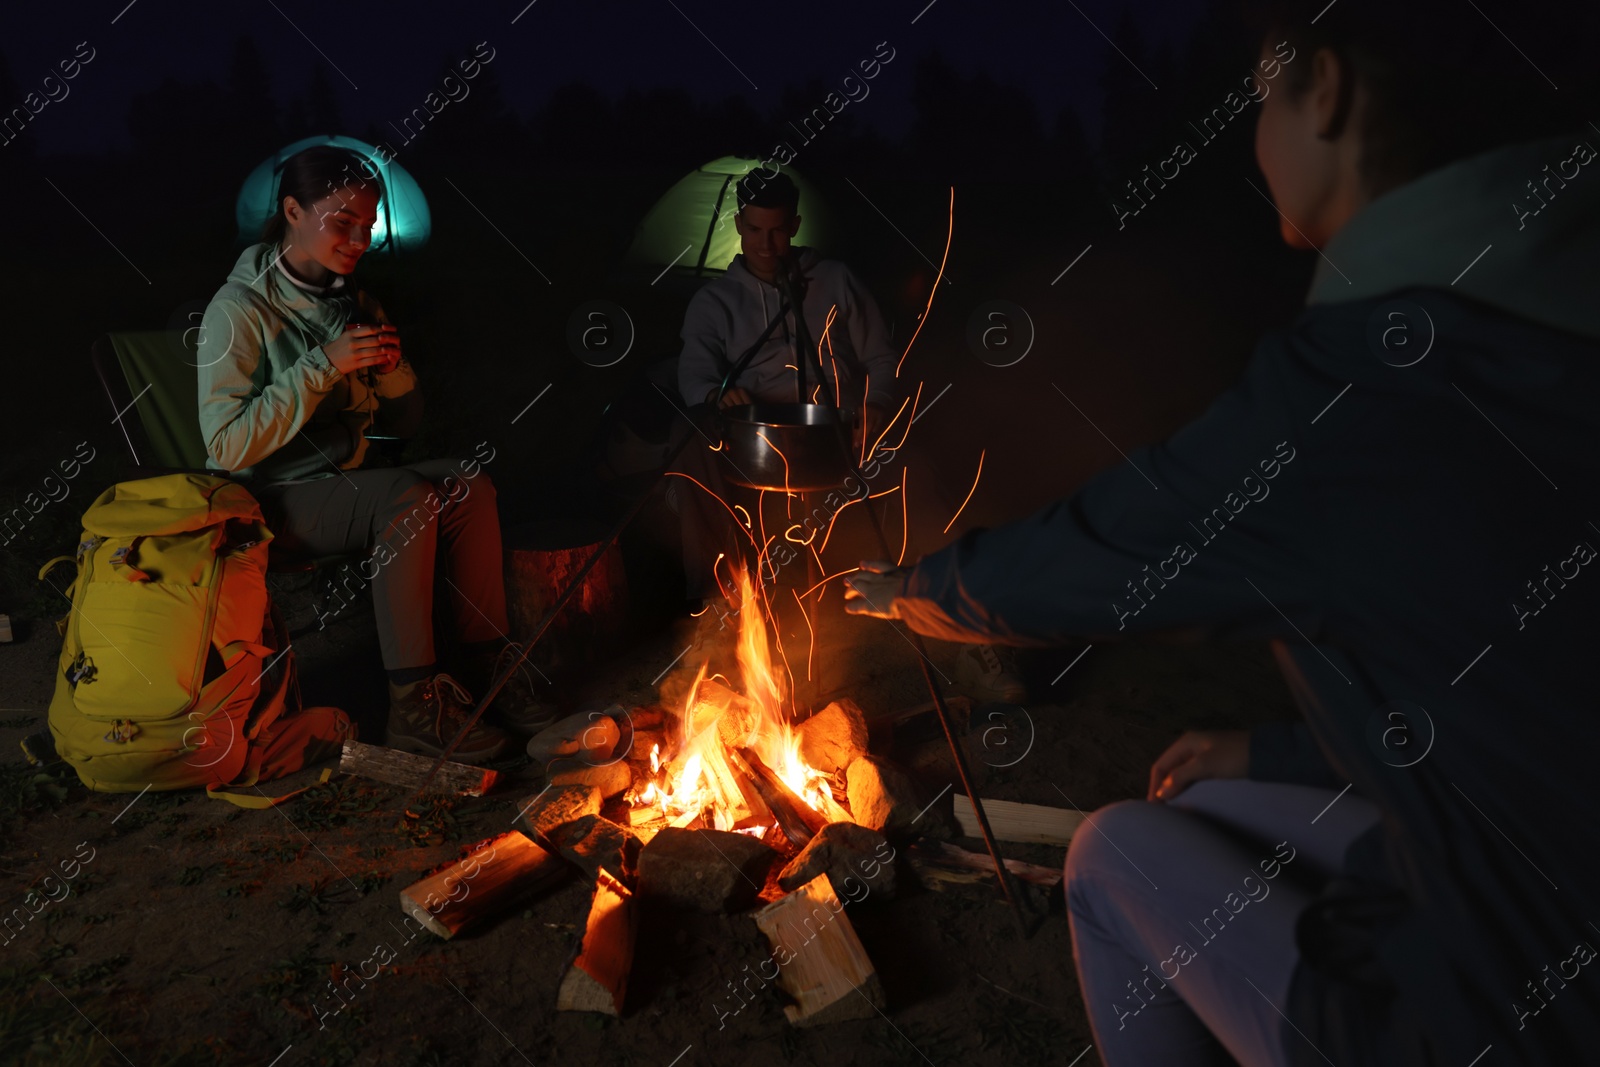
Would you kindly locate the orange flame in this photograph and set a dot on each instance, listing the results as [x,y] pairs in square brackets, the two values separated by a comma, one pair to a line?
[698,780]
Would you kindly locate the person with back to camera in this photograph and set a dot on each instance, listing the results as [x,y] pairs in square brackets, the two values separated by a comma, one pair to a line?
[728,315]
[1400,493]
[297,366]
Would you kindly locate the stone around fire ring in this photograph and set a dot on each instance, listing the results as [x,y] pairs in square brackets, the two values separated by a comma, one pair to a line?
[589,736]
[703,870]
[882,796]
[851,856]
[609,778]
[834,737]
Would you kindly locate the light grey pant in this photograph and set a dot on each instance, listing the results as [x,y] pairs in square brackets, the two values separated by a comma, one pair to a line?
[1183,917]
[411,524]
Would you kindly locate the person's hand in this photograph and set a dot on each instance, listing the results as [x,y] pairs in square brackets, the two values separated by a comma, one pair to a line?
[363,348]
[874,589]
[390,339]
[732,398]
[1199,754]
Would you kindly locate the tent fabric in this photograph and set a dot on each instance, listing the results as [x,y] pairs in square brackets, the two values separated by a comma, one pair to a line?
[691,226]
[404,221]
[159,361]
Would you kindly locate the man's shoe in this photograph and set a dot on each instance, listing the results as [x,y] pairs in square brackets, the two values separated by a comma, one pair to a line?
[517,707]
[425,716]
[988,676]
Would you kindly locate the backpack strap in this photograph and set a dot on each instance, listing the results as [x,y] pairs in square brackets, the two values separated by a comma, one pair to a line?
[258,800]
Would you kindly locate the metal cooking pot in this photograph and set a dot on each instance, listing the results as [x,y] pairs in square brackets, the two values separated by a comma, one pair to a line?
[785,446]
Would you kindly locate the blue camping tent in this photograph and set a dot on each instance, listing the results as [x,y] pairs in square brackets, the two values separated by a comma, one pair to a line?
[404,222]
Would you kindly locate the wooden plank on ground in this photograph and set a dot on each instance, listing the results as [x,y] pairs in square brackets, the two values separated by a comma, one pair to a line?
[1035,824]
[403,768]
[821,964]
[942,856]
[597,980]
[489,880]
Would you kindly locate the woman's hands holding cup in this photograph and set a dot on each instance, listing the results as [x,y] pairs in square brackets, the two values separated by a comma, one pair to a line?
[364,346]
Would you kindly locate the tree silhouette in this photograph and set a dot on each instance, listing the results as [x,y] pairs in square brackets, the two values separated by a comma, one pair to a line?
[249,93]
[1132,114]
[322,103]
[575,123]
[20,150]
[970,129]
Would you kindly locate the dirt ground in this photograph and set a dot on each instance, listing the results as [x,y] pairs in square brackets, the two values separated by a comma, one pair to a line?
[201,933]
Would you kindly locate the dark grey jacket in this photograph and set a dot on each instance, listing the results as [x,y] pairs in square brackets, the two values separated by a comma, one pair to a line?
[1401,493]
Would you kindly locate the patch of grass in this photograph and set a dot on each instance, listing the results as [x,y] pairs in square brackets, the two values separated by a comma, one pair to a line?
[40,1028]
[293,974]
[1024,1033]
[318,896]
[372,880]
[332,804]
[25,791]
[196,875]
[282,854]
[914,1045]
[87,882]
[93,973]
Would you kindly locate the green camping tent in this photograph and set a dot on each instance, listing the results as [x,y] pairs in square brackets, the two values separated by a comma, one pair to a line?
[690,230]
[404,222]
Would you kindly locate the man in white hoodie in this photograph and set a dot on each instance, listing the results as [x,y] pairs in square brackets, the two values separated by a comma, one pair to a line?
[730,313]
[858,367]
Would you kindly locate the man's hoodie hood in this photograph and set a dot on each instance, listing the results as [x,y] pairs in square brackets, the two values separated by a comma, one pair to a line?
[1475,227]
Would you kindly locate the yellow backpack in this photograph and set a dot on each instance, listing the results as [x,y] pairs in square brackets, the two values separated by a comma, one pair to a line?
[172,659]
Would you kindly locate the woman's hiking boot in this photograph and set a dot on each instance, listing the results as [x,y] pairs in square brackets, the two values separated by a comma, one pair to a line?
[425,716]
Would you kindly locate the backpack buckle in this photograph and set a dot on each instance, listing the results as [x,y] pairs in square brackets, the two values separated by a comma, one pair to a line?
[122,731]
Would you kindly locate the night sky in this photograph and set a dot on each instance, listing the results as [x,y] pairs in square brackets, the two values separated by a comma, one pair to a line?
[385,58]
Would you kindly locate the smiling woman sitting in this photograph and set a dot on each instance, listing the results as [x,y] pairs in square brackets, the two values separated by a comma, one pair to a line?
[298,367]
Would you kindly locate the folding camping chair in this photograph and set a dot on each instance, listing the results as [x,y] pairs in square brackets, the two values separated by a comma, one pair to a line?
[153,386]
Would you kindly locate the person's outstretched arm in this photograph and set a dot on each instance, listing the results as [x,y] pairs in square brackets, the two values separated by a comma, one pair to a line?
[1198,532]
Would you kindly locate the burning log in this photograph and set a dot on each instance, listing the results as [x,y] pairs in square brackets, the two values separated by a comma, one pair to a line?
[556,806]
[798,821]
[597,979]
[402,768]
[821,963]
[703,870]
[851,856]
[940,861]
[496,875]
[882,796]
[834,737]
[735,716]
[590,737]
[1025,823]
